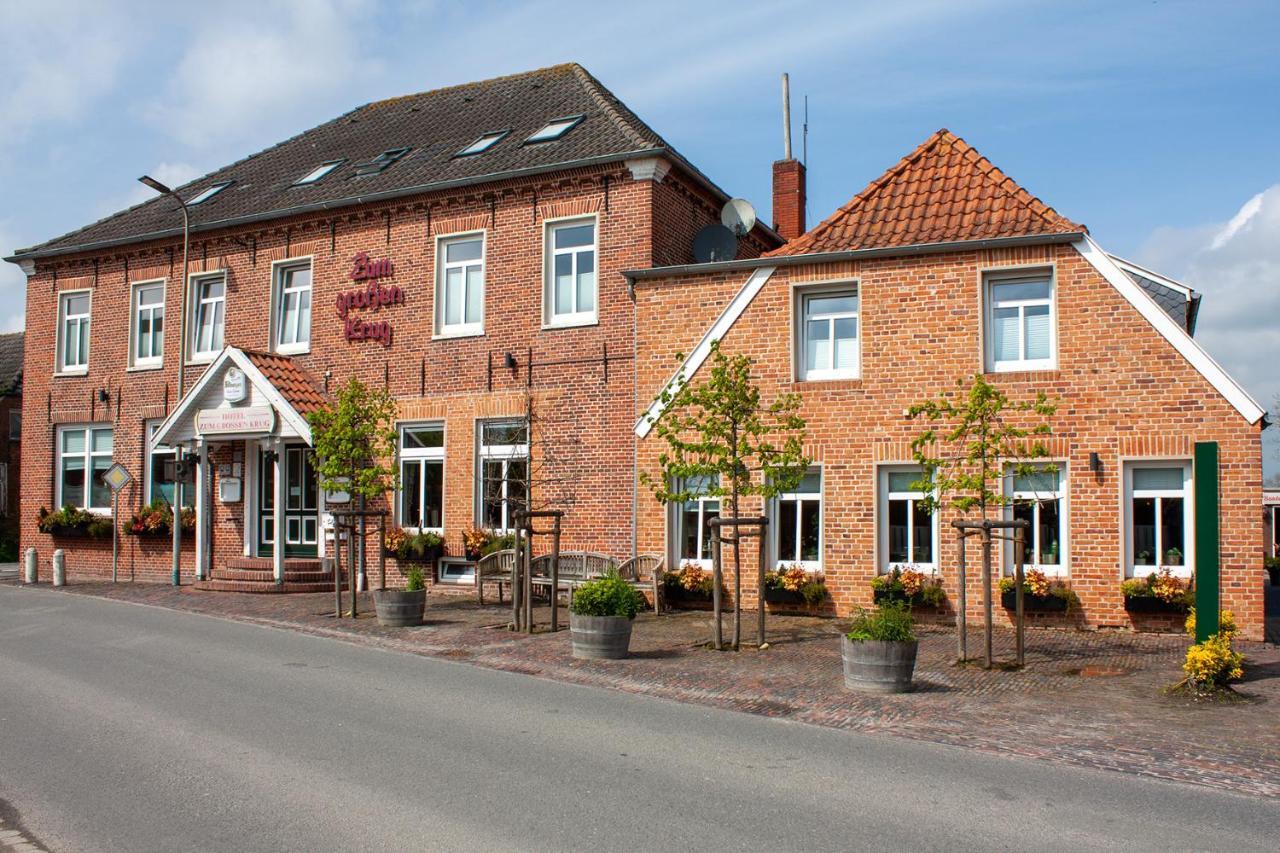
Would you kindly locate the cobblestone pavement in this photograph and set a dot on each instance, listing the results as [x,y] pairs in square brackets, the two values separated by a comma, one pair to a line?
[1088,698]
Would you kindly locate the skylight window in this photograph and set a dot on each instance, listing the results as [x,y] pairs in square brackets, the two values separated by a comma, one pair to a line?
[483,144]
[208,193]
[381,162]
[318,172]
[554,129]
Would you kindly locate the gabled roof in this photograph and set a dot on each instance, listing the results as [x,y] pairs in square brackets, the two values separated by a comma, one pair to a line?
[942,192]
[11,364]
[435,126]
[298,387]
[1177,299]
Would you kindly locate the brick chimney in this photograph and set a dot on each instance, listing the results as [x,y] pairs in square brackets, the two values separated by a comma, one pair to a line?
[788,198]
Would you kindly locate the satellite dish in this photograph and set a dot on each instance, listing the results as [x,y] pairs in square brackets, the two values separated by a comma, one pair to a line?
[715,243]
[738,216]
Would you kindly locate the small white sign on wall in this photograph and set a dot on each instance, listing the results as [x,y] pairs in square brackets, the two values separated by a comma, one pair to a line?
[233,385]
[229,490]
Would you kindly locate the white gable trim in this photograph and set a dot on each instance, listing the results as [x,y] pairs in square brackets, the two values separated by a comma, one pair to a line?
[718,330]
[1153,275]
[1109,269]
[282,406]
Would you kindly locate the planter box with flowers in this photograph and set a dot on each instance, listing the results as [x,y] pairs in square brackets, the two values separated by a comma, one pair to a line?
[909,587]
[421,547]
[1157,593]
[155,520]
[72,522]
[791,584]
[1039,593]
[477,542]
[692,584]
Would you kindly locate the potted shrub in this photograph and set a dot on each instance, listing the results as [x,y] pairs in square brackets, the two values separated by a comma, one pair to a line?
[791,584]
[600,617]
[1039,593]
[691,584]
[70,521]
[402,608]
[879,651]
[1157,593]
[908,586]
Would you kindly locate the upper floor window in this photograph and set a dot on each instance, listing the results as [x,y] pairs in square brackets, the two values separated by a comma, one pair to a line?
[1158,506]
[570,291]
[504,472]
[553,129]
[208,193]
[147,325]
[1038,499]
[829,333]
[1020,324]
[484,143]
[908,534]
[208,315]
[693,520]
[460,289]
[422,476]
[799,523]
[293,307]
[15,424]
[84,455]
[73,331]
[318,172]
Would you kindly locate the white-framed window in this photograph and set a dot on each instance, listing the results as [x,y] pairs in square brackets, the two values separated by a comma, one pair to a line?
[908,530]
[569,294]
[1158,518]
[503,472]
[483,143]
[460,285]
[553,129]
[798,523]
[1039,498]
[208,193]
[318,172]
[293,306]
[158,486]
[83,456]
[693,521]
[829,340]
[422,477]
[146,324]
[74,309]
[208,315]
[1021,323]
[456,570]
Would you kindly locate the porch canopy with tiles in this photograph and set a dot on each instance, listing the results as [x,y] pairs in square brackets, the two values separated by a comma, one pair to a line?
[245,423]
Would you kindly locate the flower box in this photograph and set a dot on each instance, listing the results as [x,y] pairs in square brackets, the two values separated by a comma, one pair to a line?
[880,596]
[80,531]
[784,596]
[673,593]
[1151,604]
[1038,603]
[405,555]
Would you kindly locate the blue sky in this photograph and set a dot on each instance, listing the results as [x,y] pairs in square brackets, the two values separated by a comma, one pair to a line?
[1154,123]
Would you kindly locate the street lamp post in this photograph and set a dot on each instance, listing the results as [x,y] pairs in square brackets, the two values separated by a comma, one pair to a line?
[182,362]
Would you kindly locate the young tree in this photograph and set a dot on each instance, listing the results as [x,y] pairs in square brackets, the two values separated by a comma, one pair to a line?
[718,432]
[353,444]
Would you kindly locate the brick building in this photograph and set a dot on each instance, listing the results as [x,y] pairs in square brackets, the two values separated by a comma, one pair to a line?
[10,442]
[940,269]
[462,247]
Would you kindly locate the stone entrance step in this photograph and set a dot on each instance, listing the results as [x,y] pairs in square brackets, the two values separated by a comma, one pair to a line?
[263,586]
[256,575]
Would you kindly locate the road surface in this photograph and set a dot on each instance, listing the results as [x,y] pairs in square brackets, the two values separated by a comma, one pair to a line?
[125,727]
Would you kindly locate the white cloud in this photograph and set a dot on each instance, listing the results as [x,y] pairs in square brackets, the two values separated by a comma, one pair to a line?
[172,175]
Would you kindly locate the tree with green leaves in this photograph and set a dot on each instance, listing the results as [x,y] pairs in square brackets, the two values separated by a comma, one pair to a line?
[721,436]
[353,443]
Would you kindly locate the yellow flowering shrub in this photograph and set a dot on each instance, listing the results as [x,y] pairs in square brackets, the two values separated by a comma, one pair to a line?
[1211,665]
[1226,623]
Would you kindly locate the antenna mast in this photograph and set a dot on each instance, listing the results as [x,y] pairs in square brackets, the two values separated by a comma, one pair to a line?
[804,136]
[786,116]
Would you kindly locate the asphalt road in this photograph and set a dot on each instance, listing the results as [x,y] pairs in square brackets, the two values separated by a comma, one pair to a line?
[132,728]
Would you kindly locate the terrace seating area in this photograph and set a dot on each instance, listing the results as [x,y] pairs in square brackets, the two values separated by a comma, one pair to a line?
[575,568]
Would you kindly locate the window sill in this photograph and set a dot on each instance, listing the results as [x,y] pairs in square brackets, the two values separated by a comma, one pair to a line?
[462,333]
[846,384]
[58,374]
[1141,572]
[570,324]
[200,360]
[293,350]
[143,368]
[1021,368]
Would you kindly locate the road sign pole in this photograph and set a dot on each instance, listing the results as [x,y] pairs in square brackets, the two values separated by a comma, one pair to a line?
[115,535]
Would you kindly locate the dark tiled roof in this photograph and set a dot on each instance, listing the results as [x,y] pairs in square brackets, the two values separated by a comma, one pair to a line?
[293,382]
[942,192]
[1182,307]
[11,364]
[434,125]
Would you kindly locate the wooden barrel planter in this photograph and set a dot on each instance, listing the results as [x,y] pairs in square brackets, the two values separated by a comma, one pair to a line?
[877,666]
[600,637]
[398,608]
[1037,603]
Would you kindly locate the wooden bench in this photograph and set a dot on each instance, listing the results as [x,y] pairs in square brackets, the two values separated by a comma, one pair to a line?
[644,572]
[576,568]
[499,568]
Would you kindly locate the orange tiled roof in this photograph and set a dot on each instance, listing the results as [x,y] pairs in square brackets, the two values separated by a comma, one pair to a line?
[293,382]
[944,191]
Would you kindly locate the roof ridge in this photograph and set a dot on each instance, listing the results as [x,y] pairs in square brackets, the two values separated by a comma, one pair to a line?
[440,90]
[614,108]
[1018,191]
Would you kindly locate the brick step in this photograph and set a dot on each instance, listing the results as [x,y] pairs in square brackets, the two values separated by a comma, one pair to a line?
[261,576]
[217,585]
[258,564]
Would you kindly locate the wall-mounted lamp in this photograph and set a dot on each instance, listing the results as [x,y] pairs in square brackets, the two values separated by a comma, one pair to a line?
[103,395]
[510,361]
[1095,463]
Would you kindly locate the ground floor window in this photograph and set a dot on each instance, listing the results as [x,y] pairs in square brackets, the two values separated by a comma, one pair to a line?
[503,470]
[798,523]
[160,465]
[84,455]
[908,532]
[1158,517]
[1038,499]
[693,520]
[422,476]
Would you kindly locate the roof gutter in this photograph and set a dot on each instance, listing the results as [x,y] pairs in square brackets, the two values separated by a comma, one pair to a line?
[386,195]
[851,255]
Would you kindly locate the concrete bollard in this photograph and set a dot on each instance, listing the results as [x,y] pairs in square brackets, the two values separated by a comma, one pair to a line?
[59,568]
[32,566]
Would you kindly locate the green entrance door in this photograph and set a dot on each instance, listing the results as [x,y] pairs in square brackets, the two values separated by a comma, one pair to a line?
[301,505]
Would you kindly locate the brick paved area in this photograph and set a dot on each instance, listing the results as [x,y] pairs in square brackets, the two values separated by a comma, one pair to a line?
[1087,698]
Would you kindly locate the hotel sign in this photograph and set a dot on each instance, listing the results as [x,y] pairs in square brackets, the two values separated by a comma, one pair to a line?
[374,296]
[251,419]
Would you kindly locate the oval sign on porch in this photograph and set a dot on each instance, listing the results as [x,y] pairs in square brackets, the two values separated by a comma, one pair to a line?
[233,385]
[252,419]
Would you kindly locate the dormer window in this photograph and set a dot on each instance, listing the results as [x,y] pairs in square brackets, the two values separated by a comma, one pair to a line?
[208,193]
[554,129]
[483,144]
[381,162]
[318,172]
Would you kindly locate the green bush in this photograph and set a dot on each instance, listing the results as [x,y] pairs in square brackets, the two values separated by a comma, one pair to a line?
[814,592]
[609,595]
[892,623]
[1271,562]
[420,545]
[499,543]
[413,580]
[70,521]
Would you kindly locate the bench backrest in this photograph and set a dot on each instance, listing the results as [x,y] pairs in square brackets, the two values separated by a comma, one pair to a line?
[499,563]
